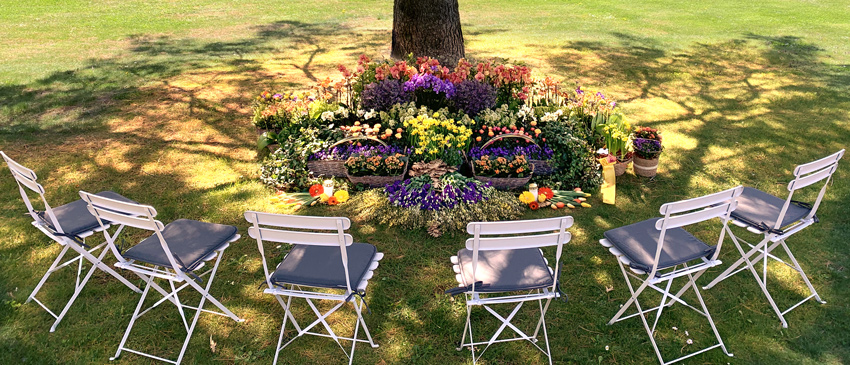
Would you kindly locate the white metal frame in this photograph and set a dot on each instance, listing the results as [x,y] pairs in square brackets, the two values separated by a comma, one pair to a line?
[337,225]
[717,205]
[142,217]
[804,176]
[25,177]
[525,234]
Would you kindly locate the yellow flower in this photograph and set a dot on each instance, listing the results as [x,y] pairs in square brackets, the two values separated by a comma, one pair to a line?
[324,198]
[341,196]
[526,197]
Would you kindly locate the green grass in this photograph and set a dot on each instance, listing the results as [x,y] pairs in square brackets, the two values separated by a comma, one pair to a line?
[152,100]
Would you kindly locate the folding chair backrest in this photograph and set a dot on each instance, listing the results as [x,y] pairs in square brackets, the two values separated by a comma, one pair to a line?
[515,235]
[128,214]
[692,211]
[26,178]
[272,232]
[808,174]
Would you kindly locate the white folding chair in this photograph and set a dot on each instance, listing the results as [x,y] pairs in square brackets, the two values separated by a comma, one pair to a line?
[490,270]
[69,225]
[175,252]
[658,251]
[328,260]
[777,219]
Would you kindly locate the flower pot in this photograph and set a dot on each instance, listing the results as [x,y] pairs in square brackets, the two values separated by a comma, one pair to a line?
[621,165]
[645,167]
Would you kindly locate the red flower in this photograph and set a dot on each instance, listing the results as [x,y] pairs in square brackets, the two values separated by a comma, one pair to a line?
[547,192]
[333,201]
[533,205]
[316,190]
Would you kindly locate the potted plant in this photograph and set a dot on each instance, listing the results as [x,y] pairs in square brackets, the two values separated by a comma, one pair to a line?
[647,148]
[376,169]
[617,137]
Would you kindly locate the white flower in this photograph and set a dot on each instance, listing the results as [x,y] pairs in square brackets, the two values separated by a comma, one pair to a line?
[360,112]
[559,112]
[606,347]
[370,114]
[603,151]
[687,334]
[328,116]
[674,328]
[690,341]
[342,111]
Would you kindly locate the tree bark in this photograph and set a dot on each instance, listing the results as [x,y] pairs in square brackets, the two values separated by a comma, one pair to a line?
[427,28]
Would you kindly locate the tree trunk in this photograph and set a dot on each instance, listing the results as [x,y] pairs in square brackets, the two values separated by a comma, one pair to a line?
[427,28]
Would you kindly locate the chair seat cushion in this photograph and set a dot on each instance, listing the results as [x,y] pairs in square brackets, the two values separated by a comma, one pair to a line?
[506,270]
[190,241]
[756,206]
[321,266]
[75,218]
[639,242]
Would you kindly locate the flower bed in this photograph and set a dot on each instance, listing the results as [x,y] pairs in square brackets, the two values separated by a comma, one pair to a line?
[431,113]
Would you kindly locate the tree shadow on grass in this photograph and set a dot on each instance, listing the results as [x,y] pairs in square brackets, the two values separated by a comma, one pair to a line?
[744,111]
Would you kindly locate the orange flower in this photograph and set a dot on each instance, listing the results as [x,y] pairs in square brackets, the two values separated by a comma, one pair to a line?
[547,192]
[533,205]
[333,200]
[316,190]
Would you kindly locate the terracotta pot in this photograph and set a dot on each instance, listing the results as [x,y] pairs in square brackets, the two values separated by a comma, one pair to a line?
[621,165]
[646,168]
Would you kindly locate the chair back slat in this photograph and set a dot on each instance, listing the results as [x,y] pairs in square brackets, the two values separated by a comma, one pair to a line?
[126,208]
[517,242]
[819,164]
[21,169]
[701,202]
[295,221]
[687,219]
[299,238]
[518,227]
[28,183]
[804,181]
[113,217]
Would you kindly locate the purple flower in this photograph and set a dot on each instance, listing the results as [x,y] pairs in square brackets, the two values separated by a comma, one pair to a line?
[579,91]
[599,94]
[531,151]
[647,148]
[473,96]
[277,96]
[429,81]
[414,194]
[382,95]
[344,151]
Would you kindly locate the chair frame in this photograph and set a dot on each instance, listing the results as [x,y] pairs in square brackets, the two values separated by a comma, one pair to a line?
[479,242]
[143,217]
[26,178]
[717,205]
[804,176]
[338,238]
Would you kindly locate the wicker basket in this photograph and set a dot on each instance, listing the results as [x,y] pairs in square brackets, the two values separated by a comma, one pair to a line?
[327,168]
[543,167]
[335,167]
[621,166]
[645,167]
[505,183]
[376,181]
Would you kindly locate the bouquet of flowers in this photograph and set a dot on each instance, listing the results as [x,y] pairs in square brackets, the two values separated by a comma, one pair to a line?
[434,139]
[422,193]
[513,166]
[376,165]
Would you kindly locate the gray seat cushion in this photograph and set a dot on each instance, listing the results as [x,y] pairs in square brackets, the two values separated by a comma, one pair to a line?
[75,218]
[639,242]
[506,270]
[321,266]
[190,241]
[756,206]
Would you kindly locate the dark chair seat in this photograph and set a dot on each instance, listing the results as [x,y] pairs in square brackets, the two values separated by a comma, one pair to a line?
[75,218]
[321,266]
[756,206]
[639,241]
[190,241]
[506,270]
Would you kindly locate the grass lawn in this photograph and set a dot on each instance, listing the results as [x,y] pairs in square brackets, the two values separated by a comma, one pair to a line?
[152,100]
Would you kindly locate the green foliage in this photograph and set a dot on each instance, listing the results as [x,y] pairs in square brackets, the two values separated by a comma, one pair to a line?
[286,168]
[574,157]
